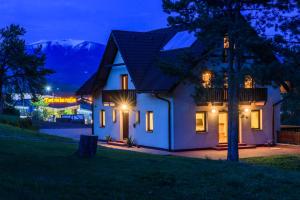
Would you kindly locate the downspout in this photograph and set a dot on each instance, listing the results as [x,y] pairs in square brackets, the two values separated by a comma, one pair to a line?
[169,119]
[273,116]
[93,129]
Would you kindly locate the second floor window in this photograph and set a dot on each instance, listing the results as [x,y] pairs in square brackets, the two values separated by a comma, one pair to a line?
[124,82]
[207,79]
[248,82]
[225,49]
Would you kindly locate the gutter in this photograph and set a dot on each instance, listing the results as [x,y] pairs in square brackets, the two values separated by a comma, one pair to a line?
[169,119]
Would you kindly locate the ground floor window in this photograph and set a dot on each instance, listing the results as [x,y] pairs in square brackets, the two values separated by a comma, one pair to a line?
[114,116]
[149,121]
[137,117]
[102,118]
[256,119]
[200,122]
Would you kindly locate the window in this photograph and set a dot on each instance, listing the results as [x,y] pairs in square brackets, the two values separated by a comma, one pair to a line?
[248,82]
[102,118]
[200,122]
[114,116]
[137,117]
[207,79]
[181,40]
[124,82]
[256,119]
[149,121]
[225,49]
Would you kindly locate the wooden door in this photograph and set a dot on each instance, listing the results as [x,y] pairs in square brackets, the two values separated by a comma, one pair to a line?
[125,125]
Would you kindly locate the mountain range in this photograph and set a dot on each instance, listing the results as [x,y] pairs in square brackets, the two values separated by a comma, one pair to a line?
[74,61]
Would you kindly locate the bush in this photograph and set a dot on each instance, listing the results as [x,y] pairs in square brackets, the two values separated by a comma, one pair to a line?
[11,111]
[12,120]
[130,142]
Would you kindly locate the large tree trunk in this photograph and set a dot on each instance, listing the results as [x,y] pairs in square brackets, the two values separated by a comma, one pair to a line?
[233,117]
[233,103]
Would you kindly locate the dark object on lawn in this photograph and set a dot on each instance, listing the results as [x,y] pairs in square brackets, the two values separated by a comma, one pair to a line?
[87,146]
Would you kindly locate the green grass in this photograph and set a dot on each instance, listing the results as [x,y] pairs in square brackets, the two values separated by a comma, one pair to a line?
[287,162]
[34,166]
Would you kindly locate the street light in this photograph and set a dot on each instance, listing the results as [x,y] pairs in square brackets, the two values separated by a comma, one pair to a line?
[48,88]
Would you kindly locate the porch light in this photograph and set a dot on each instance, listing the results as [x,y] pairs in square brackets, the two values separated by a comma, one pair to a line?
[214,110]
[124,107]
[247,110]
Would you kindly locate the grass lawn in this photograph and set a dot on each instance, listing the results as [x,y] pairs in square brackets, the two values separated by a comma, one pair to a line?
[34,166]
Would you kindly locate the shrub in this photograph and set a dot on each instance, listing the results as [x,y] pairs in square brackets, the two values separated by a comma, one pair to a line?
[12,120]
[130,142]
[108,138]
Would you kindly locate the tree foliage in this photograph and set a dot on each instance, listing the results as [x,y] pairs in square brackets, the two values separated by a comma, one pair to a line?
[21,71]
[263,41]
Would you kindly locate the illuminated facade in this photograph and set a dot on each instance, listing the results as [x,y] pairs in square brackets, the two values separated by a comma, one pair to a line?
[136,99]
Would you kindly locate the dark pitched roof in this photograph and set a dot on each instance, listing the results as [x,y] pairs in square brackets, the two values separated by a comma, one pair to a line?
[142,53]
[86,88]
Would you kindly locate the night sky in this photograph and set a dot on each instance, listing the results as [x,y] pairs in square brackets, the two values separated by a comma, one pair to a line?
[90,20]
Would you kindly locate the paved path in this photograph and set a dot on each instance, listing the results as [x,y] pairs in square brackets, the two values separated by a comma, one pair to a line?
[220,155]
[210,154]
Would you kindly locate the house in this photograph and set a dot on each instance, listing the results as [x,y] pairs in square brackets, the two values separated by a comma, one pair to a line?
[133,97]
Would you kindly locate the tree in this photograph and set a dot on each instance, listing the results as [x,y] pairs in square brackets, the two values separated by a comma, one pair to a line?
[21,71]
[243,24]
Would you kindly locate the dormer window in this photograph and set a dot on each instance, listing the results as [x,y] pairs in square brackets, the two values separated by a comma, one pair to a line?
[124,82]
[207,79]
[248,82]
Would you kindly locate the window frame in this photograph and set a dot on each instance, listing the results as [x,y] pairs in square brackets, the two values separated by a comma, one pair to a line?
[148,114]
[102,119]
[124,81]
[259,119]
[114,115]
[205,122]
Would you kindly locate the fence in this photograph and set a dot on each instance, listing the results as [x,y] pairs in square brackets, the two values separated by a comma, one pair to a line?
[289,135]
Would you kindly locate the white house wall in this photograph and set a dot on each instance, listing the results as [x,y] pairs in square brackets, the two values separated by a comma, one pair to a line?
[114,78]
[145,102]
[185,136]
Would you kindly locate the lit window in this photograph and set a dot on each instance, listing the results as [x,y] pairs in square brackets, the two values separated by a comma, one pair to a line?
[149,121]
[226,42]
[256,119]
[200,121]
[124,82]
[137,117]
[225,49]
[206,79]
[102,118]
[248,82]
[114,116]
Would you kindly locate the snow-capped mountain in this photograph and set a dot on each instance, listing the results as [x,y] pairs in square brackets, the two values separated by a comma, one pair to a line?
[74,61]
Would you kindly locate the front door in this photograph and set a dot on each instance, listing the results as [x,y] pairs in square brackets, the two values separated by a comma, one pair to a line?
[125,127]
[223,127]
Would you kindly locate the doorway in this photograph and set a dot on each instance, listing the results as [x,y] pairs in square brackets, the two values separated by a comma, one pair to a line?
[125,125]
[223,127]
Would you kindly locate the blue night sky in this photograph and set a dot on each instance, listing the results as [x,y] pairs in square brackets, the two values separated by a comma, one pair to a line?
[81,19]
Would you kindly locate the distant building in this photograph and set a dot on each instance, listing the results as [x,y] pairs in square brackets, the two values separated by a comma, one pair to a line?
[132,97]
